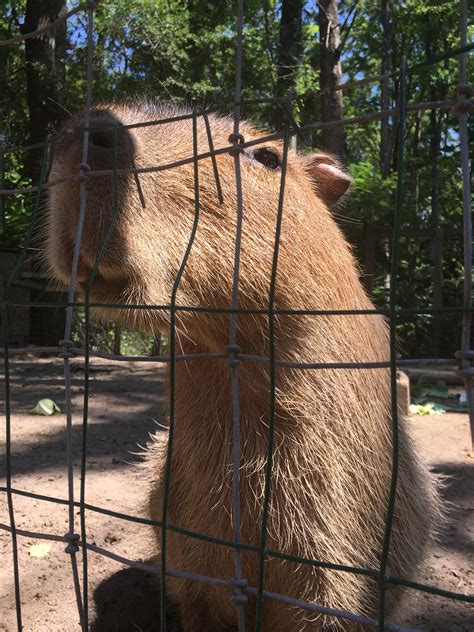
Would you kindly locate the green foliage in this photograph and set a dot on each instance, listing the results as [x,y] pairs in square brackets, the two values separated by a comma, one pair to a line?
[16,208]
[426,398]
[178,51]
[102,337]
[372,195]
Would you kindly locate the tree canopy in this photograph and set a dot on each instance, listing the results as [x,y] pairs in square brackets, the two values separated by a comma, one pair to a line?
[184,51]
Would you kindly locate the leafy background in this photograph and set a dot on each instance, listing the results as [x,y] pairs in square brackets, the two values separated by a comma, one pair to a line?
[184,50]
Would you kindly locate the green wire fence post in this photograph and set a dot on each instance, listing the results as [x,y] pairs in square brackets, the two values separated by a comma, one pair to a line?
[271,429]
[402,107]
[172,370]
[6,364]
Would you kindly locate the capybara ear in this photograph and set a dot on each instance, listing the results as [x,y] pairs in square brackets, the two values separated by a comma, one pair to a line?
[330,178]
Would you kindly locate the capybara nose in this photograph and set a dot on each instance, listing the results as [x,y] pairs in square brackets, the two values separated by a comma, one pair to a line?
[103,139]
[105,136]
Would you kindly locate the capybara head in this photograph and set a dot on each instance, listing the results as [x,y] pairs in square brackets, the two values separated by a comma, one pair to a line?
[152,213]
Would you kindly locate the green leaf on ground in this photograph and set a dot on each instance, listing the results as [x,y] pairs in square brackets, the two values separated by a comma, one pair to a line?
[428,408]
[427,389]
[45,407]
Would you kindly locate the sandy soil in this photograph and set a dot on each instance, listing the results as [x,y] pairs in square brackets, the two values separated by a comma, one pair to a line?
[125,405]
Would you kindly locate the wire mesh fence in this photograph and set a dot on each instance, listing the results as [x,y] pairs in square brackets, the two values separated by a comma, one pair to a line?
[76,538]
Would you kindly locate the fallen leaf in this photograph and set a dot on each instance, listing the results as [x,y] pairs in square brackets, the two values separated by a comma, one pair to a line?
[40,550]
[45,407]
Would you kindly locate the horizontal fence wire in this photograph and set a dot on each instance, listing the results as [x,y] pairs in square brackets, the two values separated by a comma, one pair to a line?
[164,359]
[399,581]
[342,614]
[457,309]
[79,543]
[365,118]
[49,26]
[275,136]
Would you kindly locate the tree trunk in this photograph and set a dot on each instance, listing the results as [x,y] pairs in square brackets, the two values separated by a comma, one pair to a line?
[290,51]
[415,172]
[385,87]
[331,76]
[44,72]
[434,155]
[4,53]
[117,339]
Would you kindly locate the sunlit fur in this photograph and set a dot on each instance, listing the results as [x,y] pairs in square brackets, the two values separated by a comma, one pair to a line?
[333,443]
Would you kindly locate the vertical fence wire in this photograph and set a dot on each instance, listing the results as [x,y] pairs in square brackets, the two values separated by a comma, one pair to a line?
[66,343]
[86,399]
[466,354]
[402,105]
[172,371]
[2,183]
[6,364]
[215,168]
[8,467]
[271,426]
[233,348]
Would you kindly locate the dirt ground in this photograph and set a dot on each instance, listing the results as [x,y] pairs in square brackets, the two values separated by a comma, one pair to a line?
[125,406]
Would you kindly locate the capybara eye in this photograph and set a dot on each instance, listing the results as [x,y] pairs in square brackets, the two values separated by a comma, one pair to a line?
[267,157]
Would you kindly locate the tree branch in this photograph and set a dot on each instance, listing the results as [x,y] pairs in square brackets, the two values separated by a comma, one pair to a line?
[349,13]
[346,34]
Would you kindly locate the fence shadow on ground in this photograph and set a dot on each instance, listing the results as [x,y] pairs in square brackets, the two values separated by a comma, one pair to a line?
[121,399]
[129,599]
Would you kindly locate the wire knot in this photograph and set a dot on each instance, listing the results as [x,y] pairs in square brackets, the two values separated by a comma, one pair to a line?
[466,354]
[236,140]
[463,103]
[66,344]
[233,350]
[84,170]
[466,370]
[238,598]
[240,583]
[465,373]
[73,539]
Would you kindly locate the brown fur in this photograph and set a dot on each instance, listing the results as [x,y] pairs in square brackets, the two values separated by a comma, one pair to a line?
[332,460]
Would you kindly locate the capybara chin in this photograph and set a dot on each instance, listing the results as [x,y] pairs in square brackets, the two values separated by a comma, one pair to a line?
[333,438]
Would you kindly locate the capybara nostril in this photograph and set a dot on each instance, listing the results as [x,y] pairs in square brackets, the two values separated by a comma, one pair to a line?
[103,139]
[106,132]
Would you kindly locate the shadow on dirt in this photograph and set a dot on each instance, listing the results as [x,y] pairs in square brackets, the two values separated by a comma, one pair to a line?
[128,601]
[125,405]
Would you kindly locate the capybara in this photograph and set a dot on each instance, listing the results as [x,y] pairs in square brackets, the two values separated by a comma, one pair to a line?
[333,435]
